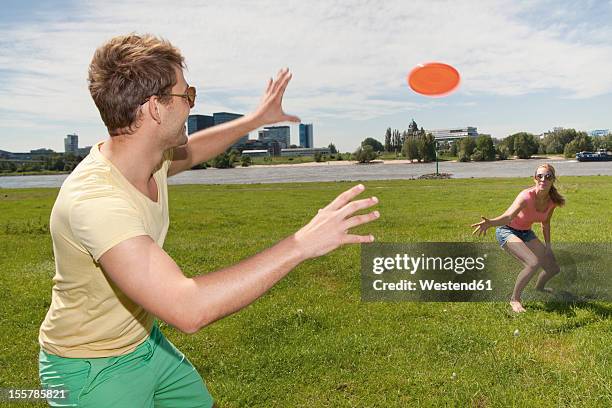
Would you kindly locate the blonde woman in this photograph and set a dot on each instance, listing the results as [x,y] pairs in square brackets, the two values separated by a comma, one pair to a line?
[514,234]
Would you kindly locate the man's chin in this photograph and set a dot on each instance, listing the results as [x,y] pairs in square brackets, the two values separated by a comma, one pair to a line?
[184,140]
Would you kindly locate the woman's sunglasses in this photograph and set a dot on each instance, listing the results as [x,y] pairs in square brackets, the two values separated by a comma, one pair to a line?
[190,95]
[542,176]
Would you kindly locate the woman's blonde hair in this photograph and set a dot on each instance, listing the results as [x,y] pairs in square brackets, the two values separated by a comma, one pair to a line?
[554,194]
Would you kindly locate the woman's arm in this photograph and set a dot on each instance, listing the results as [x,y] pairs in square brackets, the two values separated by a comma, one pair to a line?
[546,228]
[505,218]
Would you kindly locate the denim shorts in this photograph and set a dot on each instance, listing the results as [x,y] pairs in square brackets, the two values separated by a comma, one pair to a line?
[503,233]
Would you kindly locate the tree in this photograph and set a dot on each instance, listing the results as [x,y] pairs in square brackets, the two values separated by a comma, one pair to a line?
[332,148]
[388,140]
[485,148]
[365,154]
[234,154]
[200,166]
[411,149]
[501,151]
[245,161]
[582,143]
[318,157]
[525,145]
[223,161]
[466,148]
[376,145]
[427,146]
[554,142]
[58,164]
[339,157]
[602,142]
[396,141]
[454,148]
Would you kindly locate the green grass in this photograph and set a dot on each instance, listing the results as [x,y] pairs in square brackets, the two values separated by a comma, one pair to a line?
[311,341]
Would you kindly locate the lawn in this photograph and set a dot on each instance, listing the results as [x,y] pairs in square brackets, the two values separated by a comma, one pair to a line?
[311,341]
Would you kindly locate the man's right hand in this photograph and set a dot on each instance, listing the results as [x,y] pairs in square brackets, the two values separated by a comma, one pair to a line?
[329,228]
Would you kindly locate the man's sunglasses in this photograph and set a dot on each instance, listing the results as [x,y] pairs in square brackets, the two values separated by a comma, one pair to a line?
[190,95]
[542,176]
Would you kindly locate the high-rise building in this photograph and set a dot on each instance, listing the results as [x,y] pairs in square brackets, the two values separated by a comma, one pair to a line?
[306,135]
[281,134]
[199,122]
[71,144]
[222,117]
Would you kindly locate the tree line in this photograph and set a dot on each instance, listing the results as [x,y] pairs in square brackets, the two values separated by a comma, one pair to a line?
[64,162]
[416,144]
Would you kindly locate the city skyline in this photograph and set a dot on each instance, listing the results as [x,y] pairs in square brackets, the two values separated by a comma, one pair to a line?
[526,66]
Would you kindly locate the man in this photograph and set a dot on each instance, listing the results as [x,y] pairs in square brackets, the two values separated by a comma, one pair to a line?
[99,340]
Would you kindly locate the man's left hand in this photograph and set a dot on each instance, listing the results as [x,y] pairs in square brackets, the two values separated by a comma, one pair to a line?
[270,109]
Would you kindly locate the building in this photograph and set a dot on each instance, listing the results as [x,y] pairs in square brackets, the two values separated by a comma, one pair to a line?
[454,133]
[261,135]
[256,153]
[83,151]
[71,144]
[279,133]
[272,146]
[222,117]
[301,151]
[199,122]
[42,152]
[599,132]
[306,135]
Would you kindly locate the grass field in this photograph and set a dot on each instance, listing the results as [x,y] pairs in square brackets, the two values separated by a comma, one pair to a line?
[311,341]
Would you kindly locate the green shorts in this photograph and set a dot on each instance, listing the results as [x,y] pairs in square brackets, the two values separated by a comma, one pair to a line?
[155,374]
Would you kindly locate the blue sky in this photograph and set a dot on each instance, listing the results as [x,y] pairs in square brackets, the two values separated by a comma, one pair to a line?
[525,66]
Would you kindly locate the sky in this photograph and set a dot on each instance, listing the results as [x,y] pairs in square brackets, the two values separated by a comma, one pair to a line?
[525,66]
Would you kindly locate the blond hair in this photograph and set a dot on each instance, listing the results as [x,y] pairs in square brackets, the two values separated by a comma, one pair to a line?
[554,194]
[127,70]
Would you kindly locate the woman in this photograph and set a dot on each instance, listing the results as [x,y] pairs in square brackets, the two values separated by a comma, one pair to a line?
[514,234]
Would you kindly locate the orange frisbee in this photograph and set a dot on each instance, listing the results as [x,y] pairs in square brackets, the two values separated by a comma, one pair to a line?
[433,79]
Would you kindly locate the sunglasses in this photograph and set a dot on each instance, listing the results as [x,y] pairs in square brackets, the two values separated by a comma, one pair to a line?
[190,95]
[542,176]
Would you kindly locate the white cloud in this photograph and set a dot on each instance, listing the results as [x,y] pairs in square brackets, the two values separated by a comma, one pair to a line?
[346,56]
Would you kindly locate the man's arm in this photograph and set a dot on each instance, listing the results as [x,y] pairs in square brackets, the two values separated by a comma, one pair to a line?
[209,143]
[148,276]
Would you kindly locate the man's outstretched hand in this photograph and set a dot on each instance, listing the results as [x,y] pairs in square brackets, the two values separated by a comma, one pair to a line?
[270,109]
[329,228]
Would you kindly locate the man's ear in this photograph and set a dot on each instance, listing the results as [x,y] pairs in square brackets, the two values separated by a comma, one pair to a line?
[154,109]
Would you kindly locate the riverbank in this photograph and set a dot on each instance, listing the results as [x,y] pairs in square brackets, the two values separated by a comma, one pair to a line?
[393,170]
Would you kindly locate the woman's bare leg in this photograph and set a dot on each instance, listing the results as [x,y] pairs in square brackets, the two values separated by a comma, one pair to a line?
[517,248]
[548,263]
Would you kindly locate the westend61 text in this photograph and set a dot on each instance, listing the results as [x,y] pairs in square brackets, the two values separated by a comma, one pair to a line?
[431,285]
